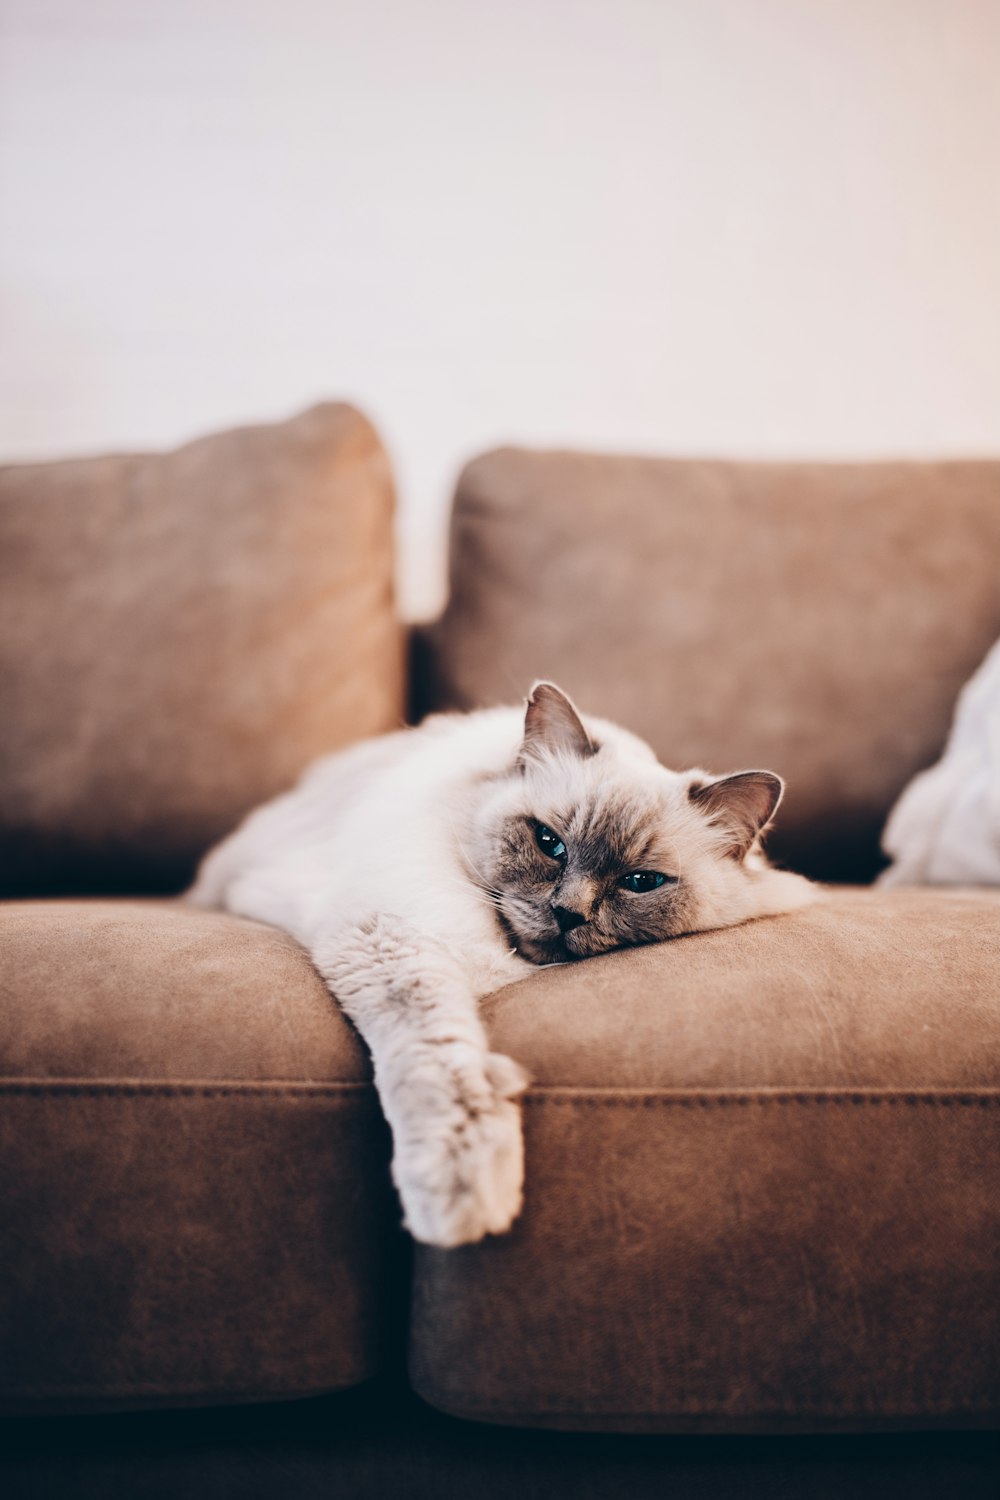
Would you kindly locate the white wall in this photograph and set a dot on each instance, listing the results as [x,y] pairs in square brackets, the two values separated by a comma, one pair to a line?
[728,226]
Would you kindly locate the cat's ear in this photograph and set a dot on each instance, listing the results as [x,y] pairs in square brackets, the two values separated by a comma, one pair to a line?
[552,724]
[740,806]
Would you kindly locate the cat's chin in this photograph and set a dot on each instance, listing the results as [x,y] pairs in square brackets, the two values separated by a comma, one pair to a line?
[532,948]
[557,948]
[542,951]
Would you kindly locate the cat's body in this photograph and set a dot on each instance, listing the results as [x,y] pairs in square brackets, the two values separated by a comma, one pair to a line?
[426,869]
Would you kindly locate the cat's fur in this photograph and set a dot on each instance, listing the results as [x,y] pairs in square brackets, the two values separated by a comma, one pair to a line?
[410,868]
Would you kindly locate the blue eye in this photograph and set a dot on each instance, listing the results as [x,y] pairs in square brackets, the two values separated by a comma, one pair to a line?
[550,843]
[641,881]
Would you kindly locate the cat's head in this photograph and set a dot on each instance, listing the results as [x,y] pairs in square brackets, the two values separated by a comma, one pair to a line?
[587,843]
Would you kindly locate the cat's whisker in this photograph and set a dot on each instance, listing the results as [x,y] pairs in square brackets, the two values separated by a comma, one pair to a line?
[467,859]
[484,895]
[464,884]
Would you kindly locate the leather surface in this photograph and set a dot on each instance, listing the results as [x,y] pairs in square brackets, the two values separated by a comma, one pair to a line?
[193,1167]
[763,1185]
[157,990]
[817,620]
[761,1182]
[180,634]
[866,989]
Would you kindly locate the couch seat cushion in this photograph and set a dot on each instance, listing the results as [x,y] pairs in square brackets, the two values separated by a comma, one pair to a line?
[193,1165]
[763,1184]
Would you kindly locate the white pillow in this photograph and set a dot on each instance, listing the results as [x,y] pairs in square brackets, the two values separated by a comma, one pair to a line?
[945,828]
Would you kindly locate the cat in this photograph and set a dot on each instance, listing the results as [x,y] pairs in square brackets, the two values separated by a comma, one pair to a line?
[425,869]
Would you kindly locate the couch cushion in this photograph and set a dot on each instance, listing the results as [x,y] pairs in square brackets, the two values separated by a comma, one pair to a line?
[762,1184]
[193,1165]
[179,635]
[815,619]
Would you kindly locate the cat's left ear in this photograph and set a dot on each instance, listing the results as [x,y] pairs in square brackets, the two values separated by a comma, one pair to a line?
[552,724]
[740,806]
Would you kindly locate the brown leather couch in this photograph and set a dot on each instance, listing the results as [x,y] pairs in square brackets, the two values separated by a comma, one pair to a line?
[763,1165]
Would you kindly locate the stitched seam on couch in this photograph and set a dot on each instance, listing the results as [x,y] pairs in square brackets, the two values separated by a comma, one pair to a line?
[587,1098]
[974,1098]
[169,1389]
[221,1089]
[722,1411]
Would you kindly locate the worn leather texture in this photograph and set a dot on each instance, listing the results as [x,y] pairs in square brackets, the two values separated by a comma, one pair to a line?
[818,620]
[180,634]
[156,989]
[763,1185]
[193,1164]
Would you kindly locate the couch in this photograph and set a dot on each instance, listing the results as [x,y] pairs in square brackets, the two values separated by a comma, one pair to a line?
[763,1164]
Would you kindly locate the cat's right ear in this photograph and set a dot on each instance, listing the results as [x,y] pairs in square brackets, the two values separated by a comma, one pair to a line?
[552,726]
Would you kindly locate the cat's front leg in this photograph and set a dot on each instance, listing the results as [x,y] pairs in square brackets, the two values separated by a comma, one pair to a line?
[458,1159]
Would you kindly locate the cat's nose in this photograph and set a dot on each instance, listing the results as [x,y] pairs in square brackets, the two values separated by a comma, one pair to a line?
[568,919]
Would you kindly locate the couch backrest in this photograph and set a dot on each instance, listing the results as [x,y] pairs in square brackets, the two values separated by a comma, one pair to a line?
[817,619]
[179,635]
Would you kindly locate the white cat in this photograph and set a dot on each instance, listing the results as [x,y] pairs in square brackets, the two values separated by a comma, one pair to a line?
[428,868]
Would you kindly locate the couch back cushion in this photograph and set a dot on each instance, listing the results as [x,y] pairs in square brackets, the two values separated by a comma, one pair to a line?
[179,635]
[816,619]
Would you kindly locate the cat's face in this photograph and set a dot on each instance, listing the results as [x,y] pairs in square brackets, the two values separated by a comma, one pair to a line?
[589,844]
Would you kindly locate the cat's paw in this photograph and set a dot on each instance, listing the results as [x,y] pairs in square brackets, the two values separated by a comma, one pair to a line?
[464,1177]
[506,1076]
